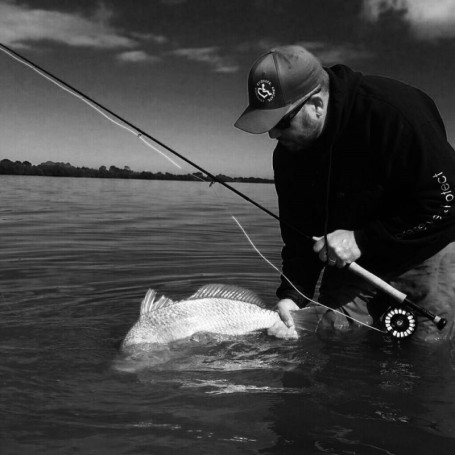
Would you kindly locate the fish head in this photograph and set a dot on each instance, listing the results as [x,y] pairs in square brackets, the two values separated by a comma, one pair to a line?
[142,333]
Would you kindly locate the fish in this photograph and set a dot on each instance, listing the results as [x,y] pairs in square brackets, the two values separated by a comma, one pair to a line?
[214,308]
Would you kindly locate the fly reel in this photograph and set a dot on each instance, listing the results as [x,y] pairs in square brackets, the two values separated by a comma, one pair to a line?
[400,323]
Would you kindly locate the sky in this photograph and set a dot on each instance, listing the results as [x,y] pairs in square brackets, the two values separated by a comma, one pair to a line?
[177,69]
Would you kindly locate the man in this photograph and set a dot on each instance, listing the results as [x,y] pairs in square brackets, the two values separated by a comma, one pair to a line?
[362,163]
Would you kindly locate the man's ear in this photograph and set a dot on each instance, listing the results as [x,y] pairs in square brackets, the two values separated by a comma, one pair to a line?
[314,107]
[318,104]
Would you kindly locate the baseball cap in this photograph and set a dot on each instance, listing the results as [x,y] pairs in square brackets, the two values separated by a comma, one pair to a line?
[278,81]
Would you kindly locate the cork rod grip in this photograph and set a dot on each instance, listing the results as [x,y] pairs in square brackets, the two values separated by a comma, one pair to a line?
[377,282]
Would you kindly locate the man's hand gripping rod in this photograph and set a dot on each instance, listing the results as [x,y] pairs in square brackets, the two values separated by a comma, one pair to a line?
[394,293]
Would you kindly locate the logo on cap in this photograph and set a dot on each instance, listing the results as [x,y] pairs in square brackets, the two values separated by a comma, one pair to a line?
[264,90]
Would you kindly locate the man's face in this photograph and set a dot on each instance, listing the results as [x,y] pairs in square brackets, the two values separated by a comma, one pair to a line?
[303,129]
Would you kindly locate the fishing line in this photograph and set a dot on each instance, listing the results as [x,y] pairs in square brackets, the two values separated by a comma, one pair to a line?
[228,211]
[298,290]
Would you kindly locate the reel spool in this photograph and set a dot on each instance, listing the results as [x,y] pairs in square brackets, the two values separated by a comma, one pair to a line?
[400,323]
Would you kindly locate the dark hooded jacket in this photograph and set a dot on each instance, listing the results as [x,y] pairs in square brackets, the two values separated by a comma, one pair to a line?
[388,170]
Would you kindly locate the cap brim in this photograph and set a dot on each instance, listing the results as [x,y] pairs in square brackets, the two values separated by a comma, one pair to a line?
[258,121]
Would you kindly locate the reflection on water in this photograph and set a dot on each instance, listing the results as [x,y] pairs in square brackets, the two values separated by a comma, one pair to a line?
[77,256]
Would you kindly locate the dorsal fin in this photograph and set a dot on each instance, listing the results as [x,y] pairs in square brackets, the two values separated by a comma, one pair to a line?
[149,304]
[225,291]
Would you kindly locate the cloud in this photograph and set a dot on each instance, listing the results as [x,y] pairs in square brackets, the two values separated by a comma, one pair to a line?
[326,52]
[428,19]
[137,57]
[340,53]
[210,56]
[157,39]
[20,25]
[262,45]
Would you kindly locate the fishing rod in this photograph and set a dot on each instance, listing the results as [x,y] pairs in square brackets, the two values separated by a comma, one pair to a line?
[399,323]
[141,132]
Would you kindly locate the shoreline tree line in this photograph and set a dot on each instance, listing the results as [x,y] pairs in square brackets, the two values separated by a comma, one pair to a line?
[52,169]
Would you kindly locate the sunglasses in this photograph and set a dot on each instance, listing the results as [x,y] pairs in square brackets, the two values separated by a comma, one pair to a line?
[285,122]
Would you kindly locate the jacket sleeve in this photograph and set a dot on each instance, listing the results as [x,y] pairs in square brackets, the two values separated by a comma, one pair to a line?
[300,265]
[418,168]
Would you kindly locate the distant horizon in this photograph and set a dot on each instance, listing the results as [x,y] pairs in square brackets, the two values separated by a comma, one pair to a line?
[54,169]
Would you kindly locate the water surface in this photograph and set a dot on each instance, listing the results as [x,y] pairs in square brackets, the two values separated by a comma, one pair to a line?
[76,258]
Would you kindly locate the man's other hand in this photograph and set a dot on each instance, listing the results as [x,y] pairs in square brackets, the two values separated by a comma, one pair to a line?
[342,248]
[284,328]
